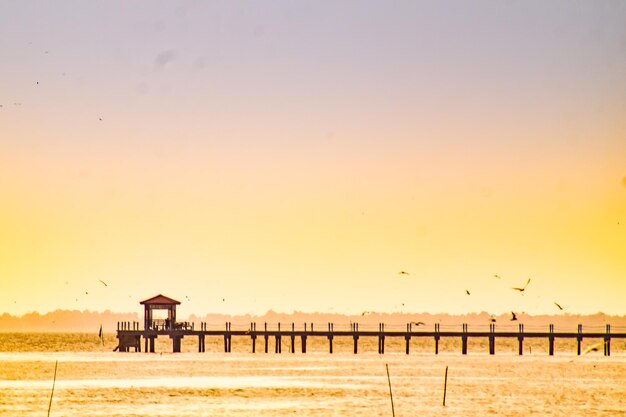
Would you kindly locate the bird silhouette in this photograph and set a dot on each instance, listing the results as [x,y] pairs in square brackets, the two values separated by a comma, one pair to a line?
[418,323]
[403,273]
[492,319]
[365,313]
[104,283]
[513,316]
[522,289]
[558,305]
[467,292]
[497,276]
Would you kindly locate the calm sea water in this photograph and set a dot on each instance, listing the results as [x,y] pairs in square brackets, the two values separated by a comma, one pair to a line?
[94,381]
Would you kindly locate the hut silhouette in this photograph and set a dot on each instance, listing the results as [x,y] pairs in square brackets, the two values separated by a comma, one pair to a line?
[159,302]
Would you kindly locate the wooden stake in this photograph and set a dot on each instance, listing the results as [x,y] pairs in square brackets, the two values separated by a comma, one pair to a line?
[393,413]
[445,387]
[56,364]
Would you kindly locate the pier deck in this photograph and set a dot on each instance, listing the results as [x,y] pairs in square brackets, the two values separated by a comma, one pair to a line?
[130,335]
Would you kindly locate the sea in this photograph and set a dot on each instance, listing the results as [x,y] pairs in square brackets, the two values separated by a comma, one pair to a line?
[92,380]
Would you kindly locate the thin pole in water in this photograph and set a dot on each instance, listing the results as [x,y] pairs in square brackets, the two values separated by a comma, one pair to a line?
[445,387]
[393,413]
[56,364]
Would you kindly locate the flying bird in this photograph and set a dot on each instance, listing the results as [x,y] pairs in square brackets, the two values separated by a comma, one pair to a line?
[418,323]
[497,276]
[522,289]
[403,273]
[365,313]
[467,292]
[593,348]
[513,316]
[558,305]
[104,283]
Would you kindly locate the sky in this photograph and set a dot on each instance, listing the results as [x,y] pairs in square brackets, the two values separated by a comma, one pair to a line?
[297,156]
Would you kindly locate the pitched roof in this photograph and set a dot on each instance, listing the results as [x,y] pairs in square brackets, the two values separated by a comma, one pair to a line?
[160,299]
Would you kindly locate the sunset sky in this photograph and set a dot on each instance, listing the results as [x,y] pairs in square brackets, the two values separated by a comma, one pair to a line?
[245,156]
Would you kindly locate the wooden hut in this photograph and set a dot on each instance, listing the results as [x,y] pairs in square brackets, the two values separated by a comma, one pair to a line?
[159,302]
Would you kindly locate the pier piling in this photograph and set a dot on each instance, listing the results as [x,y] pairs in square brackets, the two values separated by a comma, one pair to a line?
[551,340]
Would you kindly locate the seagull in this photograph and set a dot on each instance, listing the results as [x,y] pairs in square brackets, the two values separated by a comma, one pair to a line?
[497,276]
[492,319]
[105,284]
[467,292]
[513,316]
[403,273]
[365,313]
[593,348]
[418,323]
[558,305]
[521,290]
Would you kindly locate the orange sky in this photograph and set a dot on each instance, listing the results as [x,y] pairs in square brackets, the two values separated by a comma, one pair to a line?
[269,165]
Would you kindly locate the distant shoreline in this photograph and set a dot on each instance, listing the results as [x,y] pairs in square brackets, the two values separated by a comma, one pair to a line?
[64,321]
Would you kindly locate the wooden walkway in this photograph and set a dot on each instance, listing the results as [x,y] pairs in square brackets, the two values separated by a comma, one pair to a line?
[130,335]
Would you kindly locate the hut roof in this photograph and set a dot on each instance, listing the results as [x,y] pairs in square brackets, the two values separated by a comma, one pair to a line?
[160,299]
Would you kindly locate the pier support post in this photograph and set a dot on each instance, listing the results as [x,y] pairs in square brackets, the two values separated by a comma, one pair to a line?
[303,339]
[330,336]
[278,348]
[607,341]
[293,338]
[551,340]
[437,337]
[464,340]
[381,338]
[520,339]
[266,339]
[492,339]
[176,342]
[355,337]
[407,338]
[227,338]
[579,339]
[253,336]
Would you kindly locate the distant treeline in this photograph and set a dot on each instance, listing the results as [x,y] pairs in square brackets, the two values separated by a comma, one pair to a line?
[90,321]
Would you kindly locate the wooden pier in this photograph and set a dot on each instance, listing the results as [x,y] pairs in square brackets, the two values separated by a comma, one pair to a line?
[130,336]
